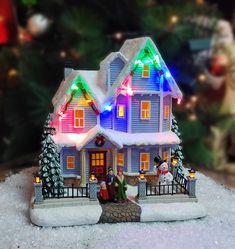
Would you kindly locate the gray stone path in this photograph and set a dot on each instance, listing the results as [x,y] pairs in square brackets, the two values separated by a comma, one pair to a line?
[120,212]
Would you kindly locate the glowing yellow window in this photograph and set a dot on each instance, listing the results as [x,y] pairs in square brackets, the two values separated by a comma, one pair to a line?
[120,111]
[120,159]
[79,118]
[145,72]
[97,159]
[144,161]
[166,155]
[70,162]
[166,111]
[145,109]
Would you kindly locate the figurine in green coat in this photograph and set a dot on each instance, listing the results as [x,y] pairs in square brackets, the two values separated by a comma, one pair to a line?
[120,186]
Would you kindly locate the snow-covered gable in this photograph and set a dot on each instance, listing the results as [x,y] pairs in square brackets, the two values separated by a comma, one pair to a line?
[118,138]
[130,50]
[91,80]
[96,80]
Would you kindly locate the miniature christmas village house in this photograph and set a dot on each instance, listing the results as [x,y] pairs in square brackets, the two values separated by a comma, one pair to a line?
[118,116]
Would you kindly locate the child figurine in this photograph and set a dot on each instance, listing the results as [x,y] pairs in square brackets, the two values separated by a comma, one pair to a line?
[110,184]
[121,186]
[104,196]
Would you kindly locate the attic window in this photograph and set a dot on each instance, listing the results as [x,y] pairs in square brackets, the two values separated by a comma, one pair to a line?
[146,71]
[79,118]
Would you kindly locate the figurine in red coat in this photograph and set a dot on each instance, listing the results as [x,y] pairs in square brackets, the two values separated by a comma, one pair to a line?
[104,196]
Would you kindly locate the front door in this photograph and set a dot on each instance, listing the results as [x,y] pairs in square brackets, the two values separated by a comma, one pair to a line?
[98,164]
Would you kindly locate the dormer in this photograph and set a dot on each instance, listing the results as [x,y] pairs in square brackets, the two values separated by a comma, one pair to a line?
[111,67]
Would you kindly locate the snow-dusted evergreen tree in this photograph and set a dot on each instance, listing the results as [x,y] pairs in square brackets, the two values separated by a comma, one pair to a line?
[49,160]
[177,151]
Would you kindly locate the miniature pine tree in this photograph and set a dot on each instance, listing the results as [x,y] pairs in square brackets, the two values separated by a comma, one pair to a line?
[177,151]
[49,161]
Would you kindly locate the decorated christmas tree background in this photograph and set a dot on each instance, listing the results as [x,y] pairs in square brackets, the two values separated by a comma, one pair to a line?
[195,37]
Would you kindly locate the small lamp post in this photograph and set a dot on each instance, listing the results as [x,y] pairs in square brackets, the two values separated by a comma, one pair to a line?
[174,165]
[174,161]
[142,185]
[93,186]
[191,183]
[142,174]
[92,176]
[37,179]
[192,173]
[38,190]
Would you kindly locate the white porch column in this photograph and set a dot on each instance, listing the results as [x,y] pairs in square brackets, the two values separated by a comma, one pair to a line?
[83,166]
[161,104]
[114,153]
[129,160]
[160,152]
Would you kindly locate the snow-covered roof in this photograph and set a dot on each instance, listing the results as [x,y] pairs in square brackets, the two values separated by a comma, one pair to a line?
[96,80]
[130,50]
[118,138]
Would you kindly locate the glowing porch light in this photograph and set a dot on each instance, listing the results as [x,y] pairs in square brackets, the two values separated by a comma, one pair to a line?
[37,179]
[142,174]
[192,173]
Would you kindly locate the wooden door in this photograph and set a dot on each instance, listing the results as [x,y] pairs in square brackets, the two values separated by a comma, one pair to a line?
[98,164]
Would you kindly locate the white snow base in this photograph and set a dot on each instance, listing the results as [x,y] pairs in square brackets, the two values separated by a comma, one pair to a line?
[171,211]
[66,216]
[215,231]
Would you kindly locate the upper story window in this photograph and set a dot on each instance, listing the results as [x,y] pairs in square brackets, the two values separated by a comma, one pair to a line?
[146,71]
[120,159]
[145,109]
[120,111]
[70,162]
[79,118]
[166,111]
[144,161]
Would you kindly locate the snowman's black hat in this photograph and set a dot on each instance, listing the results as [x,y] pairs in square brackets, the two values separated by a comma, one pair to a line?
[158,160]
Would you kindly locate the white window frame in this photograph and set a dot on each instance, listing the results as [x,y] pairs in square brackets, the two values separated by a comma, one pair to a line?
[146,70]
[74,118]
[141,109]
[145,162]
[124,110]
[67,157]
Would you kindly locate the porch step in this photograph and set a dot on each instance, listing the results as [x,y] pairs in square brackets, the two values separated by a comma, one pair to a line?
[65,202]
[167,199]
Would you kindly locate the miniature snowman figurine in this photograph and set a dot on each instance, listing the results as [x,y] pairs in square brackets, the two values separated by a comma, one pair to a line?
[165,177]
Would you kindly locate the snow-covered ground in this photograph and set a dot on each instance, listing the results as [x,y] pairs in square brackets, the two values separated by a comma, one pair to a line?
[216,230]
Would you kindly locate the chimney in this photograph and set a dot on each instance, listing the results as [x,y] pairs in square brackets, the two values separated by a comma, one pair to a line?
[68,66]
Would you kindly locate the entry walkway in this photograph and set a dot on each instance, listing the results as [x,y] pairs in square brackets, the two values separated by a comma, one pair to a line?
[120,212]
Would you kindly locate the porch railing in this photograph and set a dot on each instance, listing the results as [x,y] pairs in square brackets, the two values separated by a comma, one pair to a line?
[178,186]
[68,192]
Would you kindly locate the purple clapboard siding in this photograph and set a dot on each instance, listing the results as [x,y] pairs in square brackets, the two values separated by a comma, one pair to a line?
[120,124]
[70,151]
[140,83]
[67,121]
[137,124]
[115,68]
[135,157]
[166,122]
